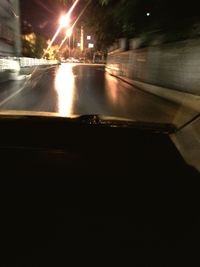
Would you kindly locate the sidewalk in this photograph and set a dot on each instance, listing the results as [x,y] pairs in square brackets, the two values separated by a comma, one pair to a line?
[184,99]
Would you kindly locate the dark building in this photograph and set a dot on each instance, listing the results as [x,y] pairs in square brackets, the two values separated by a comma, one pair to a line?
[10,40]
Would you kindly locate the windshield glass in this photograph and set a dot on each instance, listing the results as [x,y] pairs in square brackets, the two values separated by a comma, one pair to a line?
[130,59]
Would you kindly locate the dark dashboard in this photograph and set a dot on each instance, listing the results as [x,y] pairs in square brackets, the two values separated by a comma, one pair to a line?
[89,190]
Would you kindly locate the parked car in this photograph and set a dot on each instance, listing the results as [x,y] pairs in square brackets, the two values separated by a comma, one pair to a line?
[72,60]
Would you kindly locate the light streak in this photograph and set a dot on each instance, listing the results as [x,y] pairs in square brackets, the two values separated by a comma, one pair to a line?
[53,39]
[60,27]
[72,27]
[72,8]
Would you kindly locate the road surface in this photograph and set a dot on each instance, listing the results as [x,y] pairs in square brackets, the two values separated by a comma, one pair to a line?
[87,89]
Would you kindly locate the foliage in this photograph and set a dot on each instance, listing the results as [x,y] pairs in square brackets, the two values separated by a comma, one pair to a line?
[39,46]
[53,52]
[28,44]
[33,45]
[98,19]
[111,19]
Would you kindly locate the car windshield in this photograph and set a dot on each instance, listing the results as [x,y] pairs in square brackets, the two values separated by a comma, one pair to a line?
[131,59]
[100,133]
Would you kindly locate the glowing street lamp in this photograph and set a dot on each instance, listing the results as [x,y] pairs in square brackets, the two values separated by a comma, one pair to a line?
[67,35]
[72,27]
[64,21]
[69,32]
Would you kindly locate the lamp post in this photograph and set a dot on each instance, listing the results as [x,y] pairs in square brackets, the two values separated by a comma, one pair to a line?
[82,39]
[69,47]
[68,35]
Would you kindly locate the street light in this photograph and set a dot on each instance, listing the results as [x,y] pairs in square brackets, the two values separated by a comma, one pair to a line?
[64,21]
[67,35]
[69,32]
[72,27]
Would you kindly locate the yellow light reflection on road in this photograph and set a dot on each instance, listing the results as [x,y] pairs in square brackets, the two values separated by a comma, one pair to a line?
[64,86]
[112,88]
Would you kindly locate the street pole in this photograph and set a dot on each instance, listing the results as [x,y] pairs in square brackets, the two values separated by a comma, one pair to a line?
[73,41]
[82,39]
[69,46]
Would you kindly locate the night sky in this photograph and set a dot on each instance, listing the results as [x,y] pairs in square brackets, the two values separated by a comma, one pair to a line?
[43,15]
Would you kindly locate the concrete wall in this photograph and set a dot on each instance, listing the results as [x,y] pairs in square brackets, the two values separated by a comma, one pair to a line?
[174,66]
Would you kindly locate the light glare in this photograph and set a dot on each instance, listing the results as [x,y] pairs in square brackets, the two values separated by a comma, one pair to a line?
[69,32]
[90,45]
[64,21]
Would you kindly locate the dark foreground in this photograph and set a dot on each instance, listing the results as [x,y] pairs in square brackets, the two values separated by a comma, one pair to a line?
[95,194]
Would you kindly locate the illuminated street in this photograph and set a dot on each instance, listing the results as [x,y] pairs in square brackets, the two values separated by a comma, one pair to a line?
[85,89]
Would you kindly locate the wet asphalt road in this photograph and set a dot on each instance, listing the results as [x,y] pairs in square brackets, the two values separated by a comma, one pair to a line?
[86,89]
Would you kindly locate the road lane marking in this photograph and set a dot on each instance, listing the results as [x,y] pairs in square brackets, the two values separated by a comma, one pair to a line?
[12,95]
